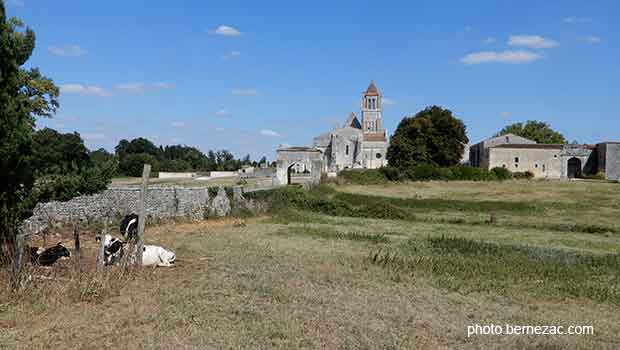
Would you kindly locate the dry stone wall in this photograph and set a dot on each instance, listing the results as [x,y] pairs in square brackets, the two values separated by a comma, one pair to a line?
[161,203]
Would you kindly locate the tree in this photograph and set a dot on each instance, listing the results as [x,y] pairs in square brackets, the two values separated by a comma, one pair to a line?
[534,130]
[24,95]
[132,164]
[56,153]
[433,136]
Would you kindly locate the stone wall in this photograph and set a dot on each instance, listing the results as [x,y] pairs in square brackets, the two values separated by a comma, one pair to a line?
[161,203]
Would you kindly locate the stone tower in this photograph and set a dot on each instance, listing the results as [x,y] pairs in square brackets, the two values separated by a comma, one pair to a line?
[371,110]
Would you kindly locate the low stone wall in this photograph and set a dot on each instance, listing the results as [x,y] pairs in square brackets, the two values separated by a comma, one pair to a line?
[161,203]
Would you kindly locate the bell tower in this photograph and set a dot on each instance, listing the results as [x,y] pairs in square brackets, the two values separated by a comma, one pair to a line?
[371,110]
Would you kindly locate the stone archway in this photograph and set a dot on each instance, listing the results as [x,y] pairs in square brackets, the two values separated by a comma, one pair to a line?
[574,168]
[288,158]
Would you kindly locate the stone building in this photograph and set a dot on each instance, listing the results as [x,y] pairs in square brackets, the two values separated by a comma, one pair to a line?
[556,161]
[357,145]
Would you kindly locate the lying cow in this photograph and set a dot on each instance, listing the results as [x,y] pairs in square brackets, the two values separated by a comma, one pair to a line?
[153,255]
[48,256]
[112,249]
[129,226]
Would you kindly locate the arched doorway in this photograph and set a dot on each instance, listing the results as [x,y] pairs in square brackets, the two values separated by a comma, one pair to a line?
[574,168]
[288,173]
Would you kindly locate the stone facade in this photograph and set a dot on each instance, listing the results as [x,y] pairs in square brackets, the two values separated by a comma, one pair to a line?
[547,161]
[608,159]
[479,153]
[306,162]
[357,145]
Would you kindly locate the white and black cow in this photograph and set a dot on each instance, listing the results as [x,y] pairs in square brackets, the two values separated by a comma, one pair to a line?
[129,226]
[48,256]
[112,249]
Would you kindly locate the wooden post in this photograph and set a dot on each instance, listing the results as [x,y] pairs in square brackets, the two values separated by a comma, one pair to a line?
[17,260]
[76,241]
[101,251]
[146,172]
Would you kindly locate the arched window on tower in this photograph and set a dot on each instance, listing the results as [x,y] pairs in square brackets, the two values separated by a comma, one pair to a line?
[347,150]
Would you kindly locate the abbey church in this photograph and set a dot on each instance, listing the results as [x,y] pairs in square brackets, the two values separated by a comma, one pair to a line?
[356,145]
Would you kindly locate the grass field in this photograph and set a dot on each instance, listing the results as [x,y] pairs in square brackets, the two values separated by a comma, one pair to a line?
[386,267]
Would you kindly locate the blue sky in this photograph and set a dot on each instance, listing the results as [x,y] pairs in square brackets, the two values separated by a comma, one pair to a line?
[249,75]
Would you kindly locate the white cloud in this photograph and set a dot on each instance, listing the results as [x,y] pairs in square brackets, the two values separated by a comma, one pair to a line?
[89,90]
[532,41]
[270,133]
[591,39]
[227,31]
[388,101]
[573,20]
[489,40]
[93,136]
[141,88]
[505,114]
[222,113]
[67,51]
[245,92]
[163,86]
[512,57]
[178,124]
[232,55]
[131,88]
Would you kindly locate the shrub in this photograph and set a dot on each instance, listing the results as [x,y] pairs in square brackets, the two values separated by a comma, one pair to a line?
[391,173]
[527,175]
[502,173]
[598,176]
[363,177]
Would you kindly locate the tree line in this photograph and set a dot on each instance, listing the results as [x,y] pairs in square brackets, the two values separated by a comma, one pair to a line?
[131,155]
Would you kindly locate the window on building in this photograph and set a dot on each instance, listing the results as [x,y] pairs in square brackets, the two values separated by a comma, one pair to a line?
[555,156]
[516,159]
[543,168]
[347,150]
[507,139]
[516,165]
[504,166]
[535,165]
[378,155]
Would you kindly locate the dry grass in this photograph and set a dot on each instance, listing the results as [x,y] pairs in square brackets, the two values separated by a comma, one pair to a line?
[306,283]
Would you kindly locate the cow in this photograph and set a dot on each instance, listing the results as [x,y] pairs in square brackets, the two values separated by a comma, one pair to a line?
[153,255]
[129,226]
[48,256]
[112,249]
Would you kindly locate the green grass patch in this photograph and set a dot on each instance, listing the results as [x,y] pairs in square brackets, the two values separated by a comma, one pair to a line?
[330,233]
[469,266]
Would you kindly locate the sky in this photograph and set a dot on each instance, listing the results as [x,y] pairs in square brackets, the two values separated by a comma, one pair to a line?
[248,76]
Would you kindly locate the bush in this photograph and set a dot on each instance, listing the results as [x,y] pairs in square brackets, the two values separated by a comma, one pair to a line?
[502,173]
[391,173]
[527,175]
[363,177]
[598,176]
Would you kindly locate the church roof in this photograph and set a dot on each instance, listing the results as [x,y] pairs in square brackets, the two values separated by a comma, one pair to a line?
[352,122]
[372,89]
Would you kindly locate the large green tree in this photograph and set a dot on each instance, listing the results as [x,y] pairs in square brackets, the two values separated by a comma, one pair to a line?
[24,95]
[56,153]
[534,130]
[433,136]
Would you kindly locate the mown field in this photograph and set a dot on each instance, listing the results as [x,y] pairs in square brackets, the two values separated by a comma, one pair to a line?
[401,266]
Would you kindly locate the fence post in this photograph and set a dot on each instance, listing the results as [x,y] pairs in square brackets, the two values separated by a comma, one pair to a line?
[101,251]
[17,260]
[76,244]
[146,172]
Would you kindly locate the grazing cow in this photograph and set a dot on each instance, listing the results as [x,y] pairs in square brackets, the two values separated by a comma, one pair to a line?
[48,256]
[129,226]
[158,256]
[112,249]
